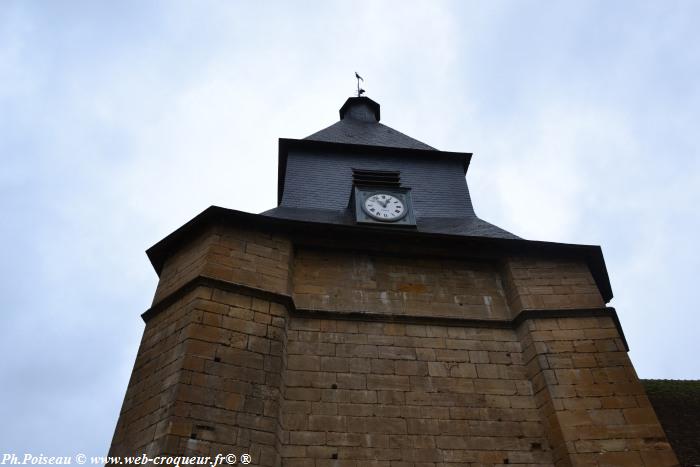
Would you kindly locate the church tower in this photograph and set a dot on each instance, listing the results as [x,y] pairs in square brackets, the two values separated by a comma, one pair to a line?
[372,318]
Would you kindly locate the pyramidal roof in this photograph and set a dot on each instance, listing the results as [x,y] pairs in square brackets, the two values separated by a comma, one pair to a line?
[439,190]
[359,124]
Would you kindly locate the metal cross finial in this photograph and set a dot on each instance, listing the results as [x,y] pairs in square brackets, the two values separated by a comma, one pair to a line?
[360,91]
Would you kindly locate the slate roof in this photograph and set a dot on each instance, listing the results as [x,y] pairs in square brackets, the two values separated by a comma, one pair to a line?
[471,226]
[315,175]
[359,124]
[351,131]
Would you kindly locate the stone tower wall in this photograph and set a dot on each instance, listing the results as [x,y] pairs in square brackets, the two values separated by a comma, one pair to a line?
[306,356]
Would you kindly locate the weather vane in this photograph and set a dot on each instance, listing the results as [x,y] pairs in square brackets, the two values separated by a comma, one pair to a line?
[360,91]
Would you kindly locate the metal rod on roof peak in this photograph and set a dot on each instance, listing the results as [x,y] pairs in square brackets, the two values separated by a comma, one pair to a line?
[360,91]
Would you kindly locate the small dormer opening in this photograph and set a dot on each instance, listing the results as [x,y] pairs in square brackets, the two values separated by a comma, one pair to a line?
[385,178]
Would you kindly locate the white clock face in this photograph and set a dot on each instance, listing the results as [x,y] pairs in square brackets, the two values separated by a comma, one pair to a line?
[385,207]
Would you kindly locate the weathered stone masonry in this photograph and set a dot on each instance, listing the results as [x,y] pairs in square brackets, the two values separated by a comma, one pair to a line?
[325,355]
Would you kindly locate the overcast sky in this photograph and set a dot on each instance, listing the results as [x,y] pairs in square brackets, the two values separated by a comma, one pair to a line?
[120,121]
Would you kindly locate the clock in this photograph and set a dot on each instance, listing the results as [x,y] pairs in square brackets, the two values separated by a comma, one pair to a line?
[384,207]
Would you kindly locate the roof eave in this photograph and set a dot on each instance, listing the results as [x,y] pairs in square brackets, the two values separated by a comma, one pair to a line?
[485,247]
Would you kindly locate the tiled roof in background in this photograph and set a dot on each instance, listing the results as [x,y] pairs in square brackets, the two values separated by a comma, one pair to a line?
[677,405]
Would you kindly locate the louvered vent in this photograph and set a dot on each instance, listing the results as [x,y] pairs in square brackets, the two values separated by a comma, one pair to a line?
[385,178]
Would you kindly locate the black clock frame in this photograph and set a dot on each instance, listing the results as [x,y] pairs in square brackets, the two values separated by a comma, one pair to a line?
[360,195]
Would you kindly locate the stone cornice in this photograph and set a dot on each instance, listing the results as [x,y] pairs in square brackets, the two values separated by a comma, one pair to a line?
[355,315]
[374,240]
